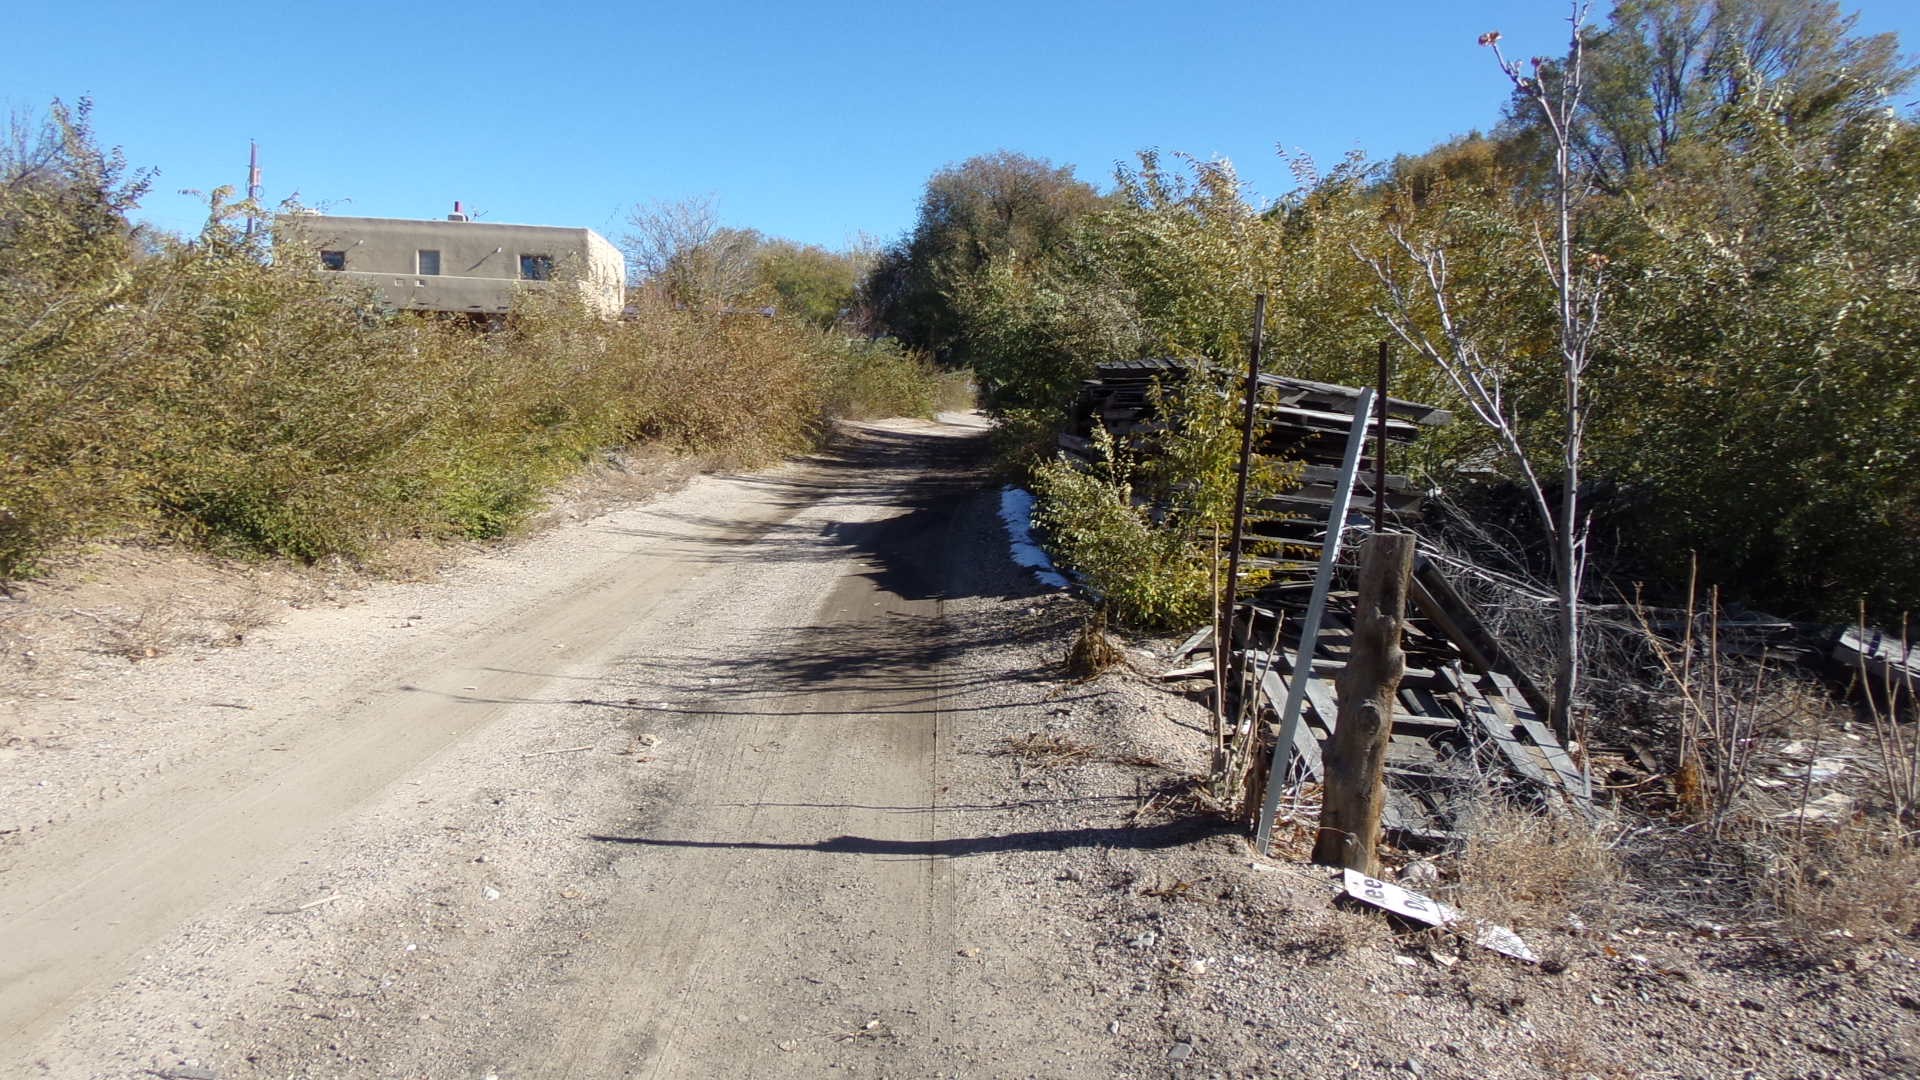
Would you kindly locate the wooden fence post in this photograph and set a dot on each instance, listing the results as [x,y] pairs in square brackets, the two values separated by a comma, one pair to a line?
[1356,758]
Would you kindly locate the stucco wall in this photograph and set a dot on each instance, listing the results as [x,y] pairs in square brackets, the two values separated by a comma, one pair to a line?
[479,261]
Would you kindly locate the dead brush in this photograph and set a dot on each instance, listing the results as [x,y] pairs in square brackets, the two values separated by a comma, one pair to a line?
[1176,799]
[1721,710]
[1093,652]
[1898,744]
[144,635]
[1838,885]
[254,611]
[1046,749]
[1521,869]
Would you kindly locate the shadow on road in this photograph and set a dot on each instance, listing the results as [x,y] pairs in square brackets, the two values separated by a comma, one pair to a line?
[935,477]
[1171,834]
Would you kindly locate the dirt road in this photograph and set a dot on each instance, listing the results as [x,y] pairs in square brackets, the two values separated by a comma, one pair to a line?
[659,795]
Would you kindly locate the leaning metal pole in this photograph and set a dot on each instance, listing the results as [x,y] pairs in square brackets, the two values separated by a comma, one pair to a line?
[1282,762]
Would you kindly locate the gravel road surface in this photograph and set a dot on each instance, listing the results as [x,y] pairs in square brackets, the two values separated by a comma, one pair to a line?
[657,795]
[732,784]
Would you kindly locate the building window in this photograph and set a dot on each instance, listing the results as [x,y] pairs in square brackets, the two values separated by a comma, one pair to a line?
[333,260]
[536,267]
[429,262]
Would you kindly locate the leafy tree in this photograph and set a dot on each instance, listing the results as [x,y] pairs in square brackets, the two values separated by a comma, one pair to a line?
[1758,399]
[1146,534]
[1473,160]
[65,249]
[1668,74]
[1035,333]
[810,282]
[1192,249]
[64,233]
[999,206]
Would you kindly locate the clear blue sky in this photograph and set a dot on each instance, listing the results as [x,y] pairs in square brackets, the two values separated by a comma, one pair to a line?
[811,120]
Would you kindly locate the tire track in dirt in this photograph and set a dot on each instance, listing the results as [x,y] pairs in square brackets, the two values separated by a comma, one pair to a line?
[794,908]
[78,903]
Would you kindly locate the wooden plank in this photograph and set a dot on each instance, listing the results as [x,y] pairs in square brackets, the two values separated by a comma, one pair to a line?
[1345,395]
[1439,601]
[1321,420]
[1320,474]
[1509,699]
[1430,703]
[1397,816]
[1320,496]
[1489,721]
[1323,667]
[1414,721]
[1404,748]
[1320,696]
[1201,638]
[1306,748]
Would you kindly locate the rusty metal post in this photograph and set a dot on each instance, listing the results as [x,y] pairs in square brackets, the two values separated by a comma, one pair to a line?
[1380,449]
[1240,485]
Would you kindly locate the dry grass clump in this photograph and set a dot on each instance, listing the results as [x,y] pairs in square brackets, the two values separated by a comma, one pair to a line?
[1093,651]
[1523,869]
[1838,885]
[252,611]
[146,634]
[1046,749]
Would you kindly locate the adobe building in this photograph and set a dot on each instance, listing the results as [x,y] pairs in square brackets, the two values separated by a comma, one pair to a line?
[465,267]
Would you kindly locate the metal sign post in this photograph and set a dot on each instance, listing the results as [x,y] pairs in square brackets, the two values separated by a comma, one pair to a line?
[1310,628]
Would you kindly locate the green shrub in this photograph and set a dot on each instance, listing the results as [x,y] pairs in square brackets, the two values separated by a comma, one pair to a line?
[1149,576]
[1150,537]
[876,378]
[220,393]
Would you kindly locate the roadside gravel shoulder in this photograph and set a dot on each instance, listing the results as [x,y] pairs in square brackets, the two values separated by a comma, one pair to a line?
[1201,959]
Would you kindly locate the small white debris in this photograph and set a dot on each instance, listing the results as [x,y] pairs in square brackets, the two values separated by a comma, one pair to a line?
[1412,905]
[490,893]
[1145,940]
[1420,874]
[1827,768]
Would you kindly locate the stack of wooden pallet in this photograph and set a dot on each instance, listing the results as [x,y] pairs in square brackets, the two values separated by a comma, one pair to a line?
[1469,715]
[1299,420]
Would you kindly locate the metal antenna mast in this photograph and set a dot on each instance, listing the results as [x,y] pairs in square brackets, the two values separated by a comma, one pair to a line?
[253,183]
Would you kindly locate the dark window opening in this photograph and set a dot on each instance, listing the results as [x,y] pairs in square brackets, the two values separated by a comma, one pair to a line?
[536,267]
[333,260]
[429,261]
